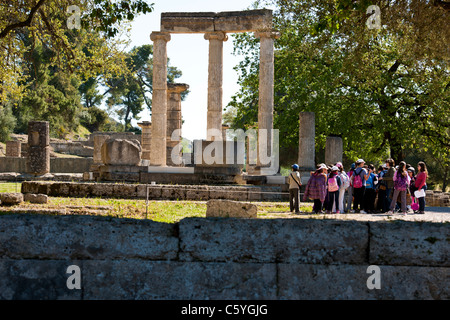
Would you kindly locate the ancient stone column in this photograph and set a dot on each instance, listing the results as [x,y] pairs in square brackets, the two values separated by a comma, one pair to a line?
[98,142]
[215,81]
[333,150]
[13,148]
[306,143]
[266,79]
[224,131]
[159,98]
[146,139]
[38,159]
[174,120]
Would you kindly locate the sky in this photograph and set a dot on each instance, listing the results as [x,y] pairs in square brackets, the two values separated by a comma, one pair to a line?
[189,53]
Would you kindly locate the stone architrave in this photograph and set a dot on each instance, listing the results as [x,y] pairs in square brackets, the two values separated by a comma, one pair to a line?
[215,82]
[159,98]
[13,148]
[38,156]
[146,139]
[174,120]
[120,152]
[265,108]
[333,150]
[306,143]
[98,142]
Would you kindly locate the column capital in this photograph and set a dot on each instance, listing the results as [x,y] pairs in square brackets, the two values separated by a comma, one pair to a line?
[268,34]
[145,124]
[177,87]
[217,35]
[160,36]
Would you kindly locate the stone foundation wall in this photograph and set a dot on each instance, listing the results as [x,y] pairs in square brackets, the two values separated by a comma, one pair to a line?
[57,165]
[217,258]
[166,192]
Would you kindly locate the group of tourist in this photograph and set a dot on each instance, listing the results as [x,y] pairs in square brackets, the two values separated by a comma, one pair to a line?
[389,189]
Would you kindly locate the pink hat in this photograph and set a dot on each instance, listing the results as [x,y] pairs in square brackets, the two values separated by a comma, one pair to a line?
[339,165]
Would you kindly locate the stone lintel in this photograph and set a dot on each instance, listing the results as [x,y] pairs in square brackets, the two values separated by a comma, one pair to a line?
[202,22]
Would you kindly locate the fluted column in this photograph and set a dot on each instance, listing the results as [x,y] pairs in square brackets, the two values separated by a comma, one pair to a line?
[174,118]
[159,98]
[215,81]
[265,108]
[146,139]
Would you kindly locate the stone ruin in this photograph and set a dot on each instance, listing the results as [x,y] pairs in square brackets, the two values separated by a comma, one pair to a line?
[162,159]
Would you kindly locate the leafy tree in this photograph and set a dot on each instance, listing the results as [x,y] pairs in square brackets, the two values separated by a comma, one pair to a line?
[129,93]
[382,90]
[46,21]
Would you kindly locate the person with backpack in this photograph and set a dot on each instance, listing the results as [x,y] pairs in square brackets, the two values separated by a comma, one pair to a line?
[358,182]
[388,179]
[401,183]
[345,184]
[294,189]
[316,188]
[370,191]
[333,185]
[421,184]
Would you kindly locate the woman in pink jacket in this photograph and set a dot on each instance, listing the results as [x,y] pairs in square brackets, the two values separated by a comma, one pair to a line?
[421,183]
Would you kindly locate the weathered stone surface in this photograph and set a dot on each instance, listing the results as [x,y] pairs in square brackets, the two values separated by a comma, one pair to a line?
[121,152]
[13,148]
[173,192]
[175,280]
[230,209]
[197,193]
[201,22]
[83,237]
[410,243]
[36,280]
[291,240]
[35,198]
[10,199]
[38,153]
[349,282]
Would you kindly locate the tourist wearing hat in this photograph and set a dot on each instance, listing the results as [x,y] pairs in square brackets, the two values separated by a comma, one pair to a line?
[370,190]
[345,184]
[358,179]
[333,185]
[294,182]
[316,188]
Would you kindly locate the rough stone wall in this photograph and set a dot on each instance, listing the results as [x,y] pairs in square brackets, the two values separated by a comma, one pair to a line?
[217,258]
[57,165]
[169,192]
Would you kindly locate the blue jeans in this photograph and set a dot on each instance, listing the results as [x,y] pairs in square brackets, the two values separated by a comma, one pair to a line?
[387,200]
[422,200]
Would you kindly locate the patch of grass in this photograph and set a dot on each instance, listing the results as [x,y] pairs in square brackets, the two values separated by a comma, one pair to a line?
[10,187]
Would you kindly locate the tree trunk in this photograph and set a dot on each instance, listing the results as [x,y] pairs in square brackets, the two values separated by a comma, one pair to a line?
[397,152]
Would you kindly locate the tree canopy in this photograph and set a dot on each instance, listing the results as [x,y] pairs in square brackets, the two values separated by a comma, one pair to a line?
[383,90]
[88,50]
